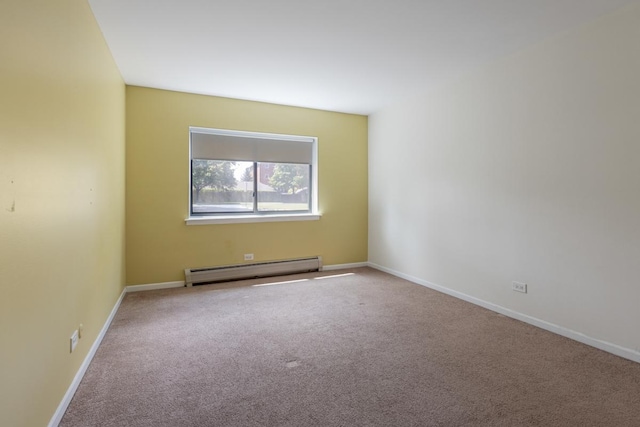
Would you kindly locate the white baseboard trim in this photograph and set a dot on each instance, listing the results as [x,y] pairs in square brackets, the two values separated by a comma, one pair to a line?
[627,353]
[344,266]
[152,286]
[66,400]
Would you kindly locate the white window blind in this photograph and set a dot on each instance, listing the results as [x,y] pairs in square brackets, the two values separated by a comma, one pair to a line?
[219,144]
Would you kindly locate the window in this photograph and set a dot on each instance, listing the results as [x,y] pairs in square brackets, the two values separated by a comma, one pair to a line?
[245,174]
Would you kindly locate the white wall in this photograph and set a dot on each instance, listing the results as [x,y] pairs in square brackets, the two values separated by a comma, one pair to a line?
[526,170]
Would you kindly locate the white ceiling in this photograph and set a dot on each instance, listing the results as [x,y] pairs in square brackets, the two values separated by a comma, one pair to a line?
[352,56]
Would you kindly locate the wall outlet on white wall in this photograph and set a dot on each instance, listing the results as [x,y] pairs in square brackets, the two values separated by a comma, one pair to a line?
[519,287]
[248,257]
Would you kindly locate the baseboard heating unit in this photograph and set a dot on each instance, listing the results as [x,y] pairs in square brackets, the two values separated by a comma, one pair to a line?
[202,276]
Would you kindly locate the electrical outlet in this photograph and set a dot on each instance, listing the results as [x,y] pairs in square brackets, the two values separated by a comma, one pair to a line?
[74,340]
[248,257]
[519,287]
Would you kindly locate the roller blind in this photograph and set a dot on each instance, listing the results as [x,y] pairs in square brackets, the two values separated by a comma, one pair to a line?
[212,144]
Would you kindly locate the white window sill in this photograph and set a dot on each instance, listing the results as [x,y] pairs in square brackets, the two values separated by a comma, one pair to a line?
[235,219]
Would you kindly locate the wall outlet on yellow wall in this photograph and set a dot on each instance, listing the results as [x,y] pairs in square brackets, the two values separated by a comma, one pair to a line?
[74,340]
[248,257]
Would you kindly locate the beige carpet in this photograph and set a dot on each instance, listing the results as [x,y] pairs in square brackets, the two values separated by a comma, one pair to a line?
[365,349]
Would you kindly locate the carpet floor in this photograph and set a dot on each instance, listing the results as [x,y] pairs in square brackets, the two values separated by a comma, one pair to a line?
[347,348]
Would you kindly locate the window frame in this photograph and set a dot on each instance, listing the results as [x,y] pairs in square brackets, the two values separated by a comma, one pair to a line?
[256,215]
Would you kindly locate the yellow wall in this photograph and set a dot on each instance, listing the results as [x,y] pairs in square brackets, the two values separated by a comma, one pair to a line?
[160,245]
[61,199]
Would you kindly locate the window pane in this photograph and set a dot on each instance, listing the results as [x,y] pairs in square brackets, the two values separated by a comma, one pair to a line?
[243,173]
[221,186]
[283,187]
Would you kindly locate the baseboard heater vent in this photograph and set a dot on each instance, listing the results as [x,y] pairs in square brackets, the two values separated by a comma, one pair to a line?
[202,276]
